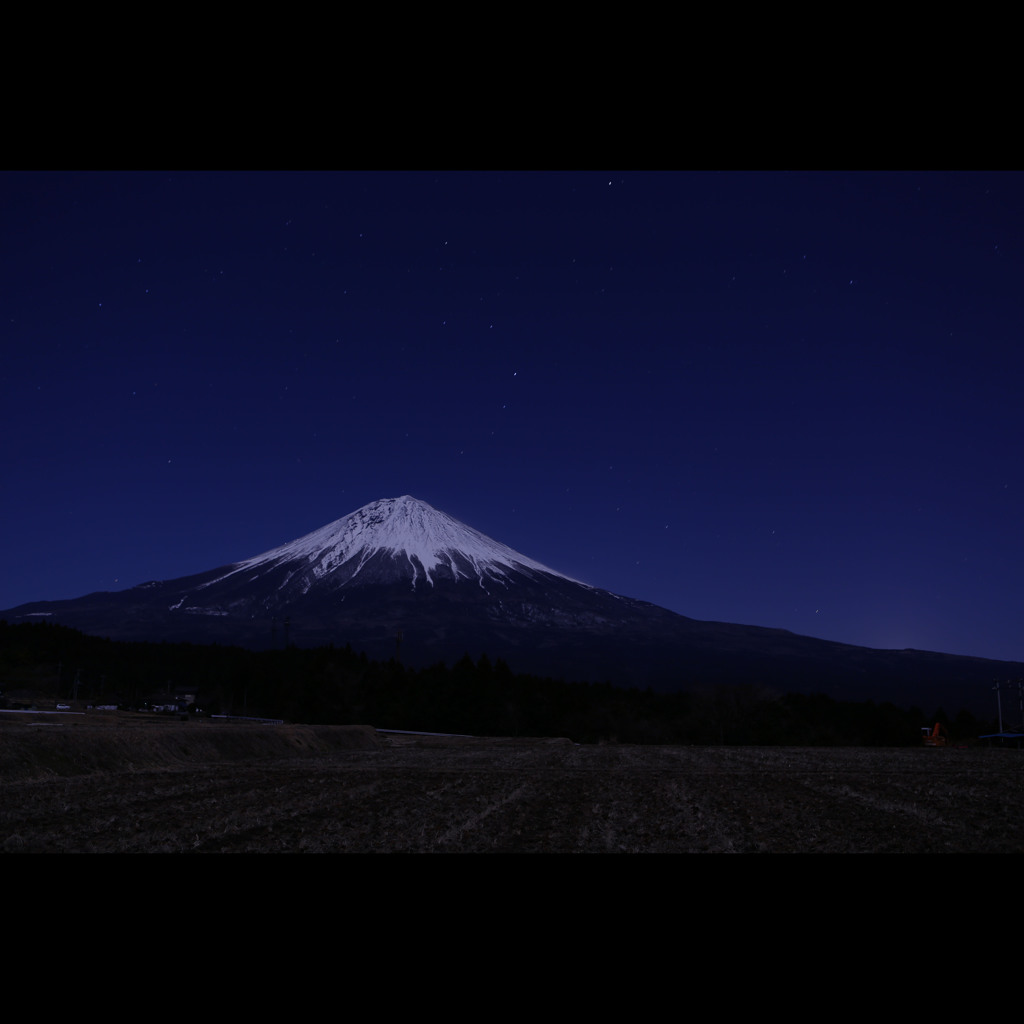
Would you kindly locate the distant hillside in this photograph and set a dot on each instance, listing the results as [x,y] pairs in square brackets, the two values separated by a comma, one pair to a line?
[335,686]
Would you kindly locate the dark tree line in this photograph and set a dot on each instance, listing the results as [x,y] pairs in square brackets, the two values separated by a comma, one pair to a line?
[332,685]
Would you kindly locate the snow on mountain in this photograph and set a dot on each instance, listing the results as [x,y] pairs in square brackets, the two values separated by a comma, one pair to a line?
[420,542]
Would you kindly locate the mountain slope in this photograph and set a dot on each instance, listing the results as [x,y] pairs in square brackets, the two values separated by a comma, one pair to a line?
[398,577]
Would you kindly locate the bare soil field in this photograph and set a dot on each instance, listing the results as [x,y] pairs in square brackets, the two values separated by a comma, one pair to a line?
[191,787]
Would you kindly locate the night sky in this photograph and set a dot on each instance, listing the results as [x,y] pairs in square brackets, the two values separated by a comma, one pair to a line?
[784,399]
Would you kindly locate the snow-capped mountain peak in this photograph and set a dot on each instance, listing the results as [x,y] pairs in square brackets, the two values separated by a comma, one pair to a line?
[417,540]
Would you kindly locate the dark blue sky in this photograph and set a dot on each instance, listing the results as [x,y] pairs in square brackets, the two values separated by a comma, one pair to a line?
[783,399]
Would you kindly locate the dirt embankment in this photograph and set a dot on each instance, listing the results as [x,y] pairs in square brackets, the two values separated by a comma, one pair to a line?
[38,746]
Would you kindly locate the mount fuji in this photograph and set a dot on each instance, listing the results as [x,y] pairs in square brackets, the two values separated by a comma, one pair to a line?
[397,565]
[400,578]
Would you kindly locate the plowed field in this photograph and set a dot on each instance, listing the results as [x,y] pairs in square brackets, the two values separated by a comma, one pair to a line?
[425,795]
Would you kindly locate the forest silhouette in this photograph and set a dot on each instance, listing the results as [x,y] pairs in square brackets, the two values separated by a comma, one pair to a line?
[338,685]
